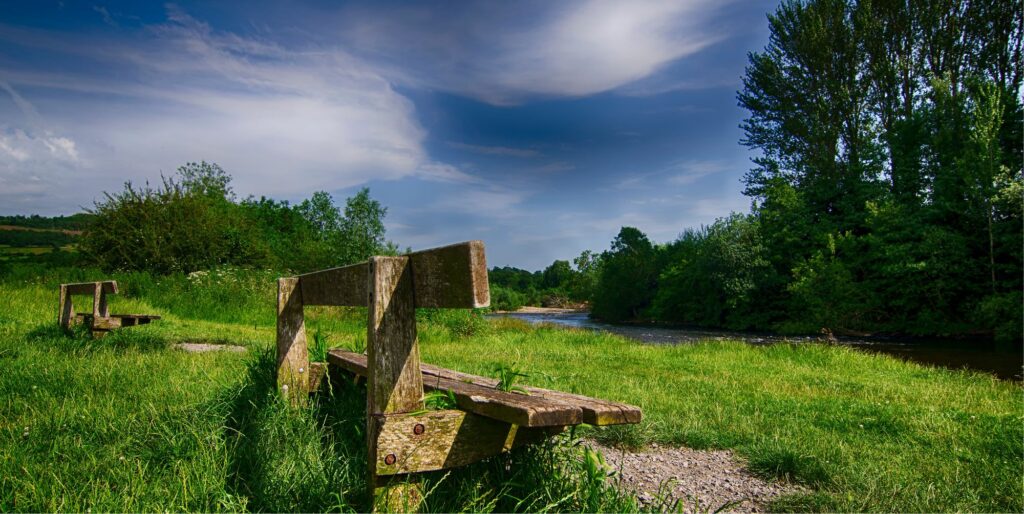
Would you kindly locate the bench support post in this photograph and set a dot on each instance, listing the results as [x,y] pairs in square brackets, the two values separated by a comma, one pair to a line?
[292,355]
[66,311]
[394,381]
[100,310]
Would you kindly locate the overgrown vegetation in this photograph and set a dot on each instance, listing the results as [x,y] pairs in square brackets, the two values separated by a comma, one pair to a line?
[561,284]
[130,423]
[193,221]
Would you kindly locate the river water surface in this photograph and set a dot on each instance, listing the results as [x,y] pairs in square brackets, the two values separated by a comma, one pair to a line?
[976,355]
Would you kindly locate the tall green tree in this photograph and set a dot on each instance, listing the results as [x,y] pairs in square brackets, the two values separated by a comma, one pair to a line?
[629,274]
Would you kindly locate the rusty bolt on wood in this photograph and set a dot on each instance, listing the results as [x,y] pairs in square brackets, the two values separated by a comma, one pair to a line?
[390,459]
[418,429]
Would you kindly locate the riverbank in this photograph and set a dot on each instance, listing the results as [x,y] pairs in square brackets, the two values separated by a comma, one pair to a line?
[979,355]
[129,423]
[529,309]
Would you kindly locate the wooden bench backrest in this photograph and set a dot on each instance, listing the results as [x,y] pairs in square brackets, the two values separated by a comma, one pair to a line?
[98,291]
[391,288]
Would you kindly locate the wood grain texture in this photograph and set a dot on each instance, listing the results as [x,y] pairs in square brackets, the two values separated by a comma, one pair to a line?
[512,408]
[448,439]
[453,276]
[109,286]
[345,286]
[394,378]
[292,355]
[100,309]
[594,411]
[394,382]
[65,309]
[317,372]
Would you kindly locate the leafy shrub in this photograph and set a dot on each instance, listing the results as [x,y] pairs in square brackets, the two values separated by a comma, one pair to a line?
[1003,314]
[457,322]
[185,224]
[505,299]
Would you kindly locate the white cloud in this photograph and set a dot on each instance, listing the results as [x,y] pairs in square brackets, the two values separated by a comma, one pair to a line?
[600,45]
[503,54]
[36,170]
[283,121]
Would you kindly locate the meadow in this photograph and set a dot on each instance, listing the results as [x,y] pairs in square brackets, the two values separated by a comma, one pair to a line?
[129,423]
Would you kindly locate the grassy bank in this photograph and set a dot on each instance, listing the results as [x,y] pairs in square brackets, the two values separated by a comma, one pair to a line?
[129,423]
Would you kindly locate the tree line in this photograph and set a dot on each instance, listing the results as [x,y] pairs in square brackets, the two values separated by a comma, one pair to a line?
[886,187]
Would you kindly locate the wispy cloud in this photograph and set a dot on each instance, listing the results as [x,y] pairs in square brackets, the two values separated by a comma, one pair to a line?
[495,150]
[690,171]
[109,20]
[281,119]
[568,49]
[441,172]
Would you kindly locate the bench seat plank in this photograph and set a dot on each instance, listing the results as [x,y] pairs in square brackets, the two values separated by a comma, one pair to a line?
[519,409]
[595,411]
[115,320]
[542,407]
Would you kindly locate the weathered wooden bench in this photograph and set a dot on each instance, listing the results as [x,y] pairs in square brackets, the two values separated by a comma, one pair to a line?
[403,438]
[100,321]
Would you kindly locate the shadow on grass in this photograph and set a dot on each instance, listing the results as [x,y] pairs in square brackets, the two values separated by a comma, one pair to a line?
[285,459]
[80,340]
[314,459]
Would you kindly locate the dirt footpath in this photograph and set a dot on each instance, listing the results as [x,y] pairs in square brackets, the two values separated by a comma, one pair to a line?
[700,480]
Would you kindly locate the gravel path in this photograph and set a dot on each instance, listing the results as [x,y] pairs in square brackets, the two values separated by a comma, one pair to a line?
[206,347]
[661,476]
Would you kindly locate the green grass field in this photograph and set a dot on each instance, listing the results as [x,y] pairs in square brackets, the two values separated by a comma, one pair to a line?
[127,423]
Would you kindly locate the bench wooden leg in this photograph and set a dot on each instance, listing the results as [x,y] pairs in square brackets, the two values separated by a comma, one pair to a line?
[66,311]
[292,355]
[394,382]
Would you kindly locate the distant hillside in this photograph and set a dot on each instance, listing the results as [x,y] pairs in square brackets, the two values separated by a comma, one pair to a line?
[75,222]
[35,231]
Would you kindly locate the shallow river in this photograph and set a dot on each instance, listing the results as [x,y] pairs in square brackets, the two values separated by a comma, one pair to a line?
[976,355]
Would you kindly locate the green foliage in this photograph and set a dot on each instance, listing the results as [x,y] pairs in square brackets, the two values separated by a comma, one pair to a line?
[584,282]
[506,299]
[629,272]
[208,432]
[559,285]
[1002,312]
[557,275]
[318,350]
[713,275]
[79,221]
[825,294]
[458,323]
[508,375]
[438,400]
[887,190]
[193,222]
[183,225]
[35,238]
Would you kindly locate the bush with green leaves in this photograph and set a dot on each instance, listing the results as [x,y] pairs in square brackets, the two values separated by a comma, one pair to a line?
[193,221]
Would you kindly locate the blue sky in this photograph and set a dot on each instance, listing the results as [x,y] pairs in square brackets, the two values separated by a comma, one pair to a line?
[538,127]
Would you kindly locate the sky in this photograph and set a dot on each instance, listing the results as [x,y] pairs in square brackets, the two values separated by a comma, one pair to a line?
[538,127]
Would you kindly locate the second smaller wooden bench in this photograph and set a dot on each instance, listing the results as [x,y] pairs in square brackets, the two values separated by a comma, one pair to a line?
[100,320]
